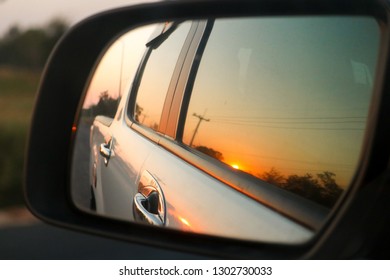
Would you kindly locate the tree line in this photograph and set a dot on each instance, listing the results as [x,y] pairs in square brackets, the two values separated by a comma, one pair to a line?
[321,188]
[30,48]
[106,106]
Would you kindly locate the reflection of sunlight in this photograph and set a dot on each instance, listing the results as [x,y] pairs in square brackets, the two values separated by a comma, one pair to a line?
[235,166]
[184,221]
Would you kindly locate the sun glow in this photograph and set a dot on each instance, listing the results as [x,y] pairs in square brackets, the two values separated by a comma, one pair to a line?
[235,166]
[184,221]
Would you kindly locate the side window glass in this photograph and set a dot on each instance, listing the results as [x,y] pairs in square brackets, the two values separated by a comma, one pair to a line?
[157,77]
[286,100]
[103,93]
[114,74]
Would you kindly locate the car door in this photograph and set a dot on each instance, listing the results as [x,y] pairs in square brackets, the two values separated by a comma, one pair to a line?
[121,151]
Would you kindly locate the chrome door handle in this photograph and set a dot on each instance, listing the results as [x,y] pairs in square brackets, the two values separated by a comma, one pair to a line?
[149,203]
[146,208]
[105,151]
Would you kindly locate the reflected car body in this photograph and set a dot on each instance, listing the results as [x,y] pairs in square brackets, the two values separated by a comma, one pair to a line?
[179,193]
[218,210]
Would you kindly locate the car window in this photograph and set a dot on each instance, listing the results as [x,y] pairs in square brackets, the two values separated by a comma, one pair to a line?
[114,73]
[286,100]
[104,90]
[157,76]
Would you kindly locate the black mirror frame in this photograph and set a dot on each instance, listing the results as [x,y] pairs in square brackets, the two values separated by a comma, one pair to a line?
[68,70]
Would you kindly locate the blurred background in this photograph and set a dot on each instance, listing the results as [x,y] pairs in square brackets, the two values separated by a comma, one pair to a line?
[28,32]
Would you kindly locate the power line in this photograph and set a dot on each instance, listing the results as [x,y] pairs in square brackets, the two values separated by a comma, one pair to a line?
[291,127]
[285,118]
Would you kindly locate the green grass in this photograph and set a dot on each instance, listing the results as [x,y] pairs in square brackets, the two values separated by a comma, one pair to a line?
[18,81]
[17,93]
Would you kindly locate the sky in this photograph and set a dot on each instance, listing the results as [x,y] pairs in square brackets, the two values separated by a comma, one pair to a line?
[27,13]
[293,96]
[120,61]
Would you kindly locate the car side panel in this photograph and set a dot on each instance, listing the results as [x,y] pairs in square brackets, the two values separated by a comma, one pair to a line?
[117,182]
[197,202]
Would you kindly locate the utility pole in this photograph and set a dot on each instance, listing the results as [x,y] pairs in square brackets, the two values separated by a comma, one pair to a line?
[201,118]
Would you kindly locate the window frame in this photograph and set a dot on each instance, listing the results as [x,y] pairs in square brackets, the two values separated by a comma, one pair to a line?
[147,132]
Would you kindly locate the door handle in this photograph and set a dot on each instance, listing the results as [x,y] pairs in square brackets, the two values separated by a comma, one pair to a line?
[105,151]
[149,203]
[146,208]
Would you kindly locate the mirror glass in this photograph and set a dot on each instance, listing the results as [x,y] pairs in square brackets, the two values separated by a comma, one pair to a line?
[249,128]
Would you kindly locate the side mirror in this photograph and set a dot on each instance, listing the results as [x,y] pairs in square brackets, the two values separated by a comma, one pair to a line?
[243,125]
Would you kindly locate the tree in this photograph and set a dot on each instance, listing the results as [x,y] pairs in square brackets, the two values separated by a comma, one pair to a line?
[305,186]
[210,152]
[55,29]
[273,177]
[30,48]
[322,188]
[331,190]
[327,180]
[106,106]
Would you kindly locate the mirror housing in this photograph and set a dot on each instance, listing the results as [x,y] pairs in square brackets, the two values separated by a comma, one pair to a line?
[64,80]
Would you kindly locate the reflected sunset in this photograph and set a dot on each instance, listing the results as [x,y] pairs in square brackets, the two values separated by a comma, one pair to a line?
[297,113]
[235,166]
[184,221]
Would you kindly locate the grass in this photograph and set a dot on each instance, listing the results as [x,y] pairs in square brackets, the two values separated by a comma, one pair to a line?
[17,93]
